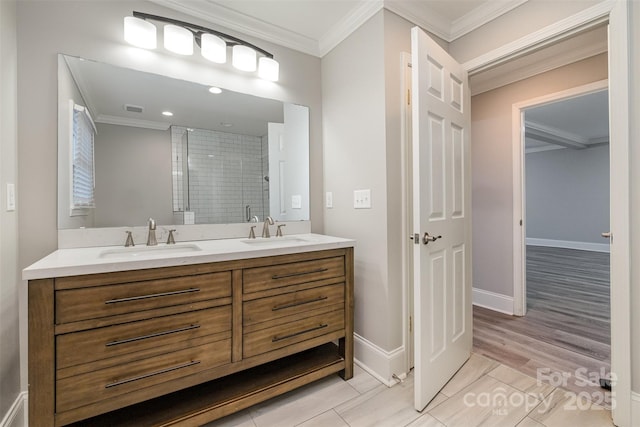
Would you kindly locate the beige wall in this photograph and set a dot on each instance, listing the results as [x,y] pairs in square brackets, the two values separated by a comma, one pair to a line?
[492,163]
[9,282]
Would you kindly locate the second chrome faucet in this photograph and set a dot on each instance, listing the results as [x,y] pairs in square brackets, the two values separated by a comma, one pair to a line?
[265,229]
[151,237]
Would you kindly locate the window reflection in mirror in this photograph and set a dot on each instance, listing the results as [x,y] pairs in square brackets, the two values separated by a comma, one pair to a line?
[218,158]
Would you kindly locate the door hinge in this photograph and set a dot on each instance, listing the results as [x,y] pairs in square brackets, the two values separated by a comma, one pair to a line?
[520,223]
[410,324]
[408,97]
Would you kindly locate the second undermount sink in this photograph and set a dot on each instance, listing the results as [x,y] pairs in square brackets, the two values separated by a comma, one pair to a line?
[137,251]
[275,241]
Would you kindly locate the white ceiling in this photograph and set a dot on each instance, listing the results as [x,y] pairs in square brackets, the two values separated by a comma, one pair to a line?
[579,122]
[317,26]
[107,89]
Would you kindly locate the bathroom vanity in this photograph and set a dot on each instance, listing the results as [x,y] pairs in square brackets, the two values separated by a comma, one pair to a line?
[185,334]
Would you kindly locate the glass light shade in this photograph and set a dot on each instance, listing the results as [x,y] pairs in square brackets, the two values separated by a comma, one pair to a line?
[213,48]
[244,58]
[178,40]
[139,32]
[268,69]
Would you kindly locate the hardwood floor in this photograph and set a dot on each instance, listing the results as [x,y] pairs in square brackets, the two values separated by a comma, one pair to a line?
[565,335]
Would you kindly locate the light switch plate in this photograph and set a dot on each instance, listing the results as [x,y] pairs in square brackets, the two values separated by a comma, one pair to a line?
[11,197]
[329,200]
[296,201]
[362,199]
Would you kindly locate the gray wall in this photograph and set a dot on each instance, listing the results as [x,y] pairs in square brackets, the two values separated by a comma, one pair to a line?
[9,283]
[362,100]
[133,176]
[567,194]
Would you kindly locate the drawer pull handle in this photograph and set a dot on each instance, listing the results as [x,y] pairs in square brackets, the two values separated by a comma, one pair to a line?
[297,303]
[151,374]
[156,334]
[284,337]
[163,294]
[304,273]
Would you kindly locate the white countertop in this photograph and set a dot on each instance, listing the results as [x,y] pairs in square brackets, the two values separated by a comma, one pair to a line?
[107,259]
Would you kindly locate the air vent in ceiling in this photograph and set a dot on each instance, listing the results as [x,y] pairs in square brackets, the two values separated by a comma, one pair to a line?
[133,108]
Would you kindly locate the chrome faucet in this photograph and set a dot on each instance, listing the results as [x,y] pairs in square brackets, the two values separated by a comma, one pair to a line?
[151,238]
[265,230]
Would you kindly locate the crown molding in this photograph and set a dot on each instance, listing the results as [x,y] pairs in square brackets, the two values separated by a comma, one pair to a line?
[417,13]
[588,18]
[420,14]
[552,135]
[347,25]
[213,12]
[539,62]
[136,123]
[481,15]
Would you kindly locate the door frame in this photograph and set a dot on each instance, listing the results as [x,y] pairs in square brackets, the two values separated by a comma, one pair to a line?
[617,14]
[519,190]
[407,208]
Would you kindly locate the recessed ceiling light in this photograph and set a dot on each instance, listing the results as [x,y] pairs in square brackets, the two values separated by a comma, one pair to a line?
[167,113]
[215,90]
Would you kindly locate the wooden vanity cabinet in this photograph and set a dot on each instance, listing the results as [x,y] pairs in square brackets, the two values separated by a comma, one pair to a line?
[186,345]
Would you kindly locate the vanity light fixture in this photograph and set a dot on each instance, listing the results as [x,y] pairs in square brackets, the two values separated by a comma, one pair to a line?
[179,37]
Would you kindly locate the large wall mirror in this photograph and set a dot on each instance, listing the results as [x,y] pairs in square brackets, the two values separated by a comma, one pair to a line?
[173,150]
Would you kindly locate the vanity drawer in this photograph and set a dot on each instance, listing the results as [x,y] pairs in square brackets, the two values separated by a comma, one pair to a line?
[275,276]
[103,301]
[162,334]
[293,303]
[273,338]
[76,391]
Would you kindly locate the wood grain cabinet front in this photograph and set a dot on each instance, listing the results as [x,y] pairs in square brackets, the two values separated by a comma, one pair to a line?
[189,344]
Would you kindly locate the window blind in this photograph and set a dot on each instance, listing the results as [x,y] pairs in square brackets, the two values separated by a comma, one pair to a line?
[83,171]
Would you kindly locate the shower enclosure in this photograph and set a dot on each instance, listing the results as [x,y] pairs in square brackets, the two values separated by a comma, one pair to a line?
[219,177]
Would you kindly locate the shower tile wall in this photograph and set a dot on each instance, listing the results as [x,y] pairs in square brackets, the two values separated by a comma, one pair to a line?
[225,175]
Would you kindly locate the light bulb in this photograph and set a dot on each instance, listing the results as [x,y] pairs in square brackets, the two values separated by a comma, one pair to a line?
[268,69]
[244,58]
[178,40]
[213,48]
[139,32]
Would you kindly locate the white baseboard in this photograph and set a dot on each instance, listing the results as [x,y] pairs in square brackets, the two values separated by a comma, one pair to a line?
[493,301]
[378,362]
[17,414]
[635,408]
[583,246]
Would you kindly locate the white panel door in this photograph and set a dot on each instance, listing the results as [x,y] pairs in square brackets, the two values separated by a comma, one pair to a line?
[441,216]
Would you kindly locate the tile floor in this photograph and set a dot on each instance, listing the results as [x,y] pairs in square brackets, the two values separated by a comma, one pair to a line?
[483,393]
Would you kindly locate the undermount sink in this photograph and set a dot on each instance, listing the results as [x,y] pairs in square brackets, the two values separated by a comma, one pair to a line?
[136,251]
[275,241]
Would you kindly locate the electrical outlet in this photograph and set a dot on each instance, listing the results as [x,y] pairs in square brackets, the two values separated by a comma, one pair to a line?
[329,200]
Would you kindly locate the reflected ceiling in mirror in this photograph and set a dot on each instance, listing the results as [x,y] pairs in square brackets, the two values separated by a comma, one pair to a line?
[136,155]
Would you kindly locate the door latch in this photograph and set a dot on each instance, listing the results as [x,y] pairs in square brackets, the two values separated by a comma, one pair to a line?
[416,238]
[429,238]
